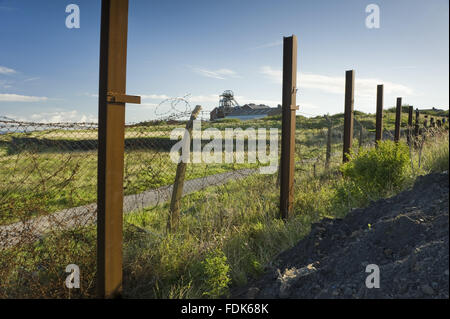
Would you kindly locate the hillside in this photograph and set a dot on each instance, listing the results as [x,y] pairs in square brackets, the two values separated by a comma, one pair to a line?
[407,236]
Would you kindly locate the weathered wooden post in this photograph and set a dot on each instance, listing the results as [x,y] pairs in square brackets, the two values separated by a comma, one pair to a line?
[288,125]
[379,116]
[398,115]
[432,123]
[361,136]
[416,126]
[111,135]
[328,152]
[177,191]
[348,114]
[410,124]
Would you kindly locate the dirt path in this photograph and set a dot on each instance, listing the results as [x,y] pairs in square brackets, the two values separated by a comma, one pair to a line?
[32,229]
[408,238]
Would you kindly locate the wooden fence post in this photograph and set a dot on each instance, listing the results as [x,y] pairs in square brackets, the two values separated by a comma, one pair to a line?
[288,126]
[410,124]
[361,137]
[111,136]
[177,191]
[416,127]
[348,114]
[398,115]
[379,116]
[328,153]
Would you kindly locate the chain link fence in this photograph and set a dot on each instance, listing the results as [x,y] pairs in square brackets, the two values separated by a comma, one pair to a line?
[48,192]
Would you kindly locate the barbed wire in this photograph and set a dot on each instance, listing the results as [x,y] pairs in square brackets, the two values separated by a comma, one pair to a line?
[176,107]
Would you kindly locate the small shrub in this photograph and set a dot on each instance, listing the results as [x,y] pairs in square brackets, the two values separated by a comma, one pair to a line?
[216,269]
[372,173]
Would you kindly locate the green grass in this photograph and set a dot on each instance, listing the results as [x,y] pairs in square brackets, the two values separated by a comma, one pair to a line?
[435,153]
[39,179]
[226,234]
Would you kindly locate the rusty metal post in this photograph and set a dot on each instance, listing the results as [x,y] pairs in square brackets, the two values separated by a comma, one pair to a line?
[398,115]
[177,191]
[410,124]
[379,116]
[111,135]
[288,125]
[348,114]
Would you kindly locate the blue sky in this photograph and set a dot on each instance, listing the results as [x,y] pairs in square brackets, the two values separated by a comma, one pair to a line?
[50,73]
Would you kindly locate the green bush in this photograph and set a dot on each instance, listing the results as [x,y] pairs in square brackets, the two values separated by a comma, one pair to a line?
[216,270]
[378,171]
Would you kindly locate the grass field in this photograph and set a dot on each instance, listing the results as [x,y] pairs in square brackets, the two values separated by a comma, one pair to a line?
[227,234]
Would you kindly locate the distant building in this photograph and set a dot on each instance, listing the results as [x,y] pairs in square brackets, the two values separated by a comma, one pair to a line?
[253,111]
[229,108]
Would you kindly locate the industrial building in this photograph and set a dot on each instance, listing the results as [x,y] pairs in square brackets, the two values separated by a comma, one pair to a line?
[230,108]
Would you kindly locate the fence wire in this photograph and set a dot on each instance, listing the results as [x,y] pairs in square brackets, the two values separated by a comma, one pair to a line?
[48,196]
[48,192]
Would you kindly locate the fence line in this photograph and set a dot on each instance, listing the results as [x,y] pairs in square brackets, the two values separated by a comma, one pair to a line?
[67,178]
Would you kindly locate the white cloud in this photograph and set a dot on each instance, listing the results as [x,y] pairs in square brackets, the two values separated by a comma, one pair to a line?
[268,45]
[211,98]
[5,70]
[365,87]
[368,87]
[155,96]
[308,106]
[142,106]
[61,117]
[32,79]
[272,74]
[4,84]
[245,100]
[220,74]
[5,97]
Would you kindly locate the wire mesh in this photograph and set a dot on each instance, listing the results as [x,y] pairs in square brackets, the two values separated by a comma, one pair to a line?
[48,192]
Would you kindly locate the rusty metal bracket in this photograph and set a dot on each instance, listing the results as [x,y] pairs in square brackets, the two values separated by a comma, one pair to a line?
[113,97]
